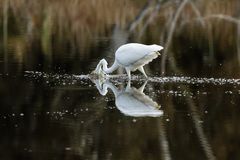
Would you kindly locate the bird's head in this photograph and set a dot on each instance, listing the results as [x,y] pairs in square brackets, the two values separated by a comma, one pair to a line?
[103,62]
[98,72]
[156,48]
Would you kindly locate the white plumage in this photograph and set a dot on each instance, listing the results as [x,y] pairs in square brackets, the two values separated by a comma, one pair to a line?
[131,56]
[131,101]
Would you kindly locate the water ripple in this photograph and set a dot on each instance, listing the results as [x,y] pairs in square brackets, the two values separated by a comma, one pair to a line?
[195,80]
[169,79]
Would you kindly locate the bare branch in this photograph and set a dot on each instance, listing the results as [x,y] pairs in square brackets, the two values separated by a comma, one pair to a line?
[197,12]
[223,17]
[170,35]
[143,13]
[214,16]
[151,18]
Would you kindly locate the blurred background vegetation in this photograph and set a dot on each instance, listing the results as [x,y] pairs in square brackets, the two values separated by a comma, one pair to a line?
[210,29]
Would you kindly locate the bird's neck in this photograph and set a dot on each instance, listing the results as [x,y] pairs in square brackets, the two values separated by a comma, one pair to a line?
[111,69]
[104,90]
[112,87]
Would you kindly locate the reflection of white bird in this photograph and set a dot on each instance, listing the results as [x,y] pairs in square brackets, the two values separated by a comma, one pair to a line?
[131,101]
[131,56]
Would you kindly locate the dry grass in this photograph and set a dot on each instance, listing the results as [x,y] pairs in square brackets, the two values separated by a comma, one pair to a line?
[76,22]
[70,21]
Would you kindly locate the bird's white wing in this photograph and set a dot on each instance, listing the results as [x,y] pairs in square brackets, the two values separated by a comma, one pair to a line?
[137,105]
[131,53]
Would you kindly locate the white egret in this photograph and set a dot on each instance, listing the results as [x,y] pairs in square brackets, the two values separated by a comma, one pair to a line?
[131,101]
[132,57]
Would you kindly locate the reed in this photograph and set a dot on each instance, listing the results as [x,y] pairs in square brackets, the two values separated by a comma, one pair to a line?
[205,24]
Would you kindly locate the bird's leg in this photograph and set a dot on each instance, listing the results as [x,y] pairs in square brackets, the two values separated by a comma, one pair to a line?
[128,85]
[141,89]
[141,69]
[128,73]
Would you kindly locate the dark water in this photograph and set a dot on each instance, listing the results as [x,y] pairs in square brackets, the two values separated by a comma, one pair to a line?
[51,109]
[49,115]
